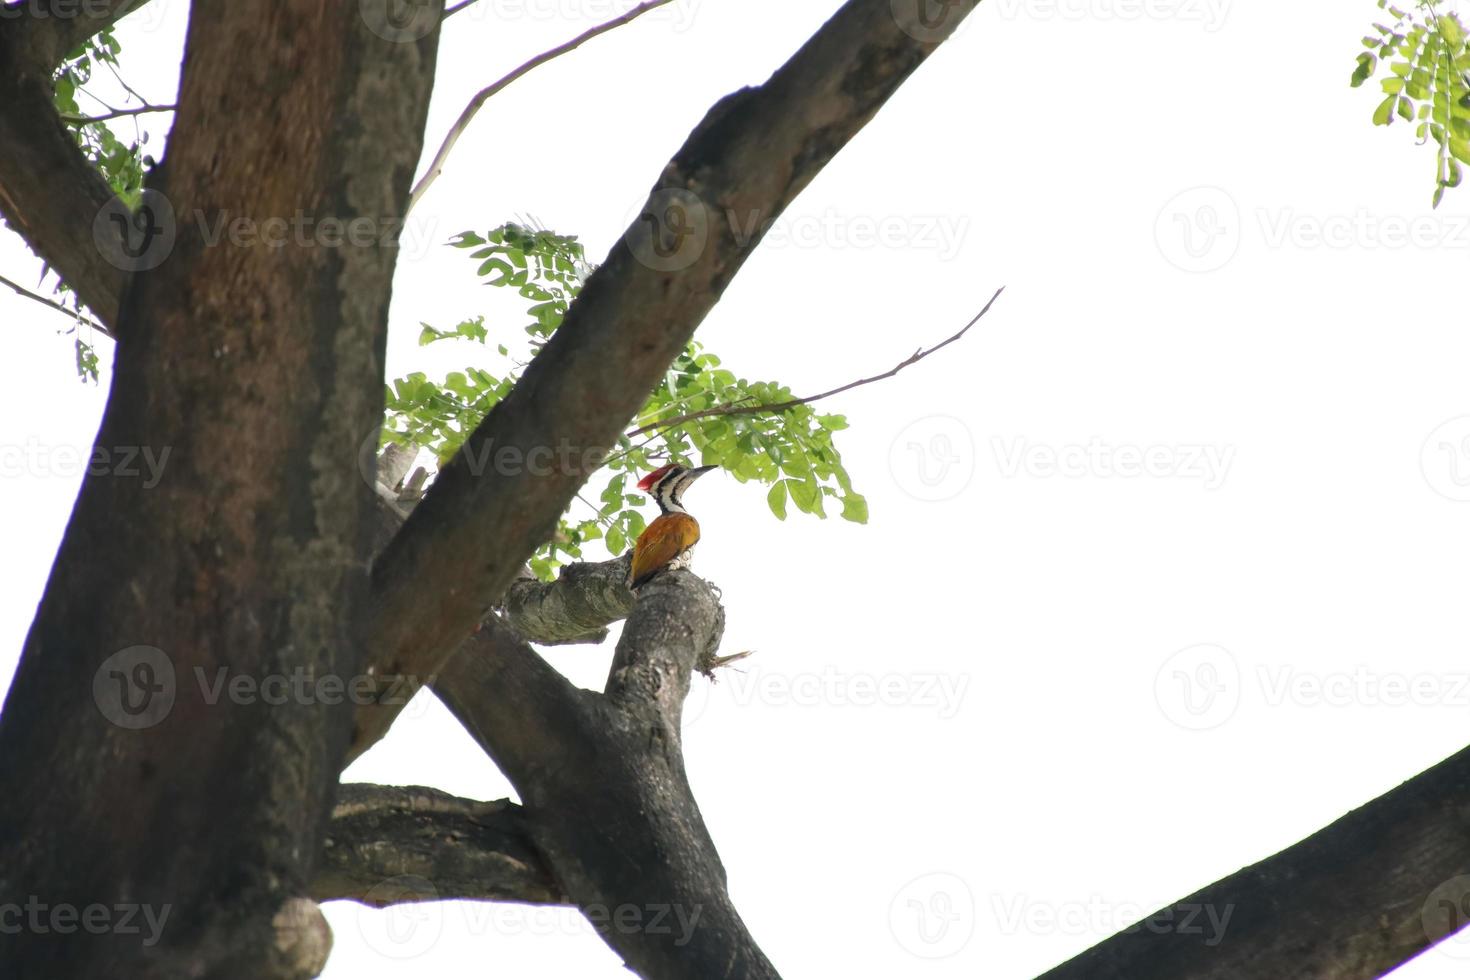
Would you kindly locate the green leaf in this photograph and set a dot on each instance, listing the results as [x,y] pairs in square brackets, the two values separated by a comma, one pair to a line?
[855,508]
[1383,115]
[776,499]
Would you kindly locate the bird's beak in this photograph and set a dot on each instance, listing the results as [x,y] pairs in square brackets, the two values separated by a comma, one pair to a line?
[699,471]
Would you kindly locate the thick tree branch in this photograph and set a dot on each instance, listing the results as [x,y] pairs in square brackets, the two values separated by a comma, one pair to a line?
[436,167]
[607,800]
[384,840]
[738,409]
[502,494]
[1351,902]
[253,372]
[576,608]
[49,193]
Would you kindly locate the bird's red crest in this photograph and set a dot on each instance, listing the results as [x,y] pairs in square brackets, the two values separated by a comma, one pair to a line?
[652,478]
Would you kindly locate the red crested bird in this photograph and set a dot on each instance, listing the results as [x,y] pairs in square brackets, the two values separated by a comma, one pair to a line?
[668,541]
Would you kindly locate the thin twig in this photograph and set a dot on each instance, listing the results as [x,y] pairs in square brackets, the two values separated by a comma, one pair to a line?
[481,97]
[739,409]
[116,113]
[45,301]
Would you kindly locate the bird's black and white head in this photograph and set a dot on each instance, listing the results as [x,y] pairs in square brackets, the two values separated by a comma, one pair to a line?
[668,483]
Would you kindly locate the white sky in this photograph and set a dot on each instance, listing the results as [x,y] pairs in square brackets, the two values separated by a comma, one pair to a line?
[1033,777]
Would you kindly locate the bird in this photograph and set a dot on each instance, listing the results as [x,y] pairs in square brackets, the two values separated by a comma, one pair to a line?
[669,540]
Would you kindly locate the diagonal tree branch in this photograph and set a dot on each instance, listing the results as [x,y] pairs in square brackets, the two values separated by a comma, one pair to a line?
[752,154]
[388,844]
[1352,902]
[49,193]
[436,167]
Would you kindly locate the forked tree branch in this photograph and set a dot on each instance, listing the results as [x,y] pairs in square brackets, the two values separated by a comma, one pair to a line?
[738,409]
[436,167]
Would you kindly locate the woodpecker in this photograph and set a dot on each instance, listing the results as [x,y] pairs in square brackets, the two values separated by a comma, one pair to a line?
[669,540]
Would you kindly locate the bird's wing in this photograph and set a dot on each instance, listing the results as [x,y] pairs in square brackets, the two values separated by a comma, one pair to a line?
[660,543]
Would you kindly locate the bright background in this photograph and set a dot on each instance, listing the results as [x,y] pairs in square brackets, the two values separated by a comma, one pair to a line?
[1025,705]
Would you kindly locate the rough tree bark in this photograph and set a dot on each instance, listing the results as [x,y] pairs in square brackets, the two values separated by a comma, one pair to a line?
[256,370]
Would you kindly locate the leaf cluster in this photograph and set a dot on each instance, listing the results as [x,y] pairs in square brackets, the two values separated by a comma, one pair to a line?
[1428,80]
[699,408]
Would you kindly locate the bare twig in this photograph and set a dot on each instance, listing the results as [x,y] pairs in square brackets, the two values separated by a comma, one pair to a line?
[740,409]
[116,113]
[481,97]
[45,301]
